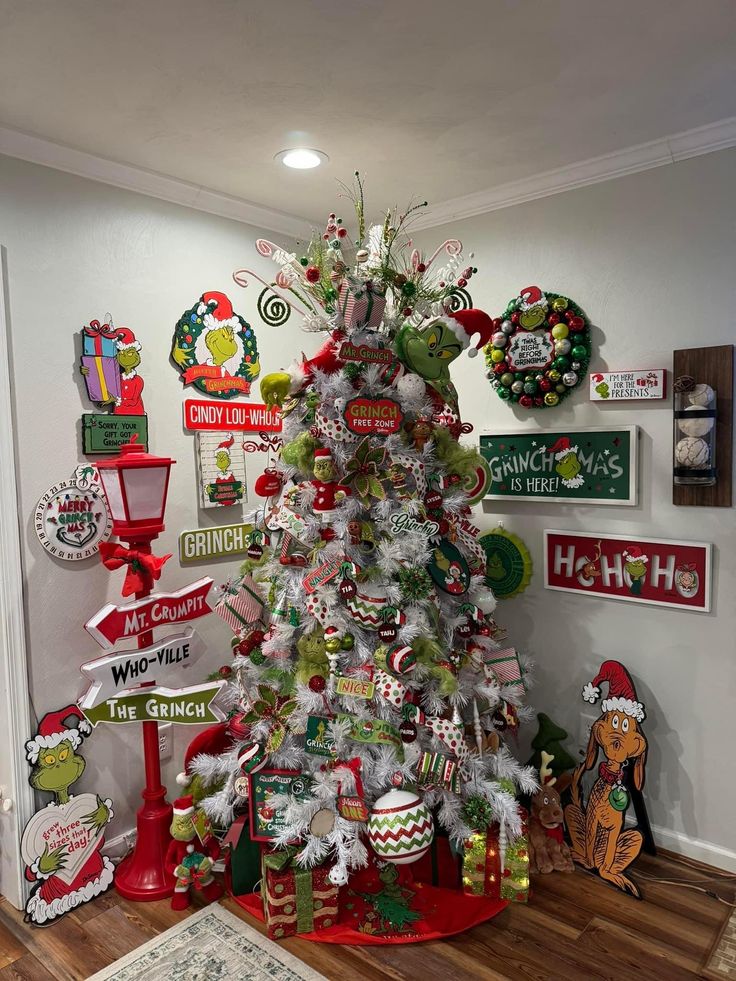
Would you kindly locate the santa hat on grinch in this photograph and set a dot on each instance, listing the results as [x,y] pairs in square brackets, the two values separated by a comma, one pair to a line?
[562,448]
[66,725]
[126,339]
[216,310]
[634,554]
[467,324]
[183,806]
[621,692]
[322,453]
[532,296]
[227,442]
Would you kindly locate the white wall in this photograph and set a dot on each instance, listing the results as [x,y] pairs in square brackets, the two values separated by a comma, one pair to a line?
[650,258]
[76,250]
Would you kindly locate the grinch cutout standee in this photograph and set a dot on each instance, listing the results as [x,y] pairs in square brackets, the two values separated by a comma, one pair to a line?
[215,348]
[62,844]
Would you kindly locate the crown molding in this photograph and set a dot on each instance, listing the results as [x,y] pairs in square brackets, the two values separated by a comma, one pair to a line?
[632,160]
[37,150]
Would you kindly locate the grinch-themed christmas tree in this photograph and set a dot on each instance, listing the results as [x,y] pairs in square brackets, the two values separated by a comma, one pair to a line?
[370,704]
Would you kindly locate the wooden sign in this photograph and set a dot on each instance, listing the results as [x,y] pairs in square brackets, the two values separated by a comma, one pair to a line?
[266,821]
[508,563]
[113,623]
[602,840]
[103,433]
[253,417]
[373,417]
[203,544]
[220,469]
[354,687]
[366,354]
[641,570]
[192,706]
[61,845]
[73,517]
[323,573]
[593,466]
[618,386]
[118,671]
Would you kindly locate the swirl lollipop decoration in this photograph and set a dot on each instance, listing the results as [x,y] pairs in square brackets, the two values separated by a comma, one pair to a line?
[272,308]
[540,350]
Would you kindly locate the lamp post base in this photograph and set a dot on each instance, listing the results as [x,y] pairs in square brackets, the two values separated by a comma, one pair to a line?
[142,876]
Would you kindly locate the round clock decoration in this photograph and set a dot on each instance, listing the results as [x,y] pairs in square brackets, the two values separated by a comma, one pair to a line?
[215,349]
[73,517]
[508,563]
[540,350]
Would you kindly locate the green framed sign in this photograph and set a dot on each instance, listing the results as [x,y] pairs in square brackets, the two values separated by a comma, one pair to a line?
[103,432]
[267,821]
[203,544]
[577,466]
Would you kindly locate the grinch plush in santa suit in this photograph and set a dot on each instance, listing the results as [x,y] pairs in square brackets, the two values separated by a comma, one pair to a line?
[56,766]
[191,855]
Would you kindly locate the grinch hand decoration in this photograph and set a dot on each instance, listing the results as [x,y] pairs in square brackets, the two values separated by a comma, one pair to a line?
[328,493]
[191,855]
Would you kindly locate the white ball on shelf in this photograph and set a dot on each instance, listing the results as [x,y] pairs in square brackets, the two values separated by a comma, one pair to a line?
[701,395]
[695,427]
[692,452]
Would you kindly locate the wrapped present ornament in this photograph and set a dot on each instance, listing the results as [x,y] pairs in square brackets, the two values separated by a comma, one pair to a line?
[360,304]
[515,867]
[240,605]
[296,900]
[482,875]
[504,667]
[438,770]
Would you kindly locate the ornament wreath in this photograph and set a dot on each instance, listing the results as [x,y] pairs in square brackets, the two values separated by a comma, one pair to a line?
[540,349]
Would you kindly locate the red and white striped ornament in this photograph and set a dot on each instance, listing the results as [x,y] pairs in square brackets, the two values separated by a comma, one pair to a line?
[401,659]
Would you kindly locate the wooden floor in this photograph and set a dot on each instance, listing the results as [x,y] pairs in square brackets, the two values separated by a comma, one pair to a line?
[575,928]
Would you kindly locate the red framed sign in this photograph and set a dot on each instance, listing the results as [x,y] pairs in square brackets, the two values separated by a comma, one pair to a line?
[657,571]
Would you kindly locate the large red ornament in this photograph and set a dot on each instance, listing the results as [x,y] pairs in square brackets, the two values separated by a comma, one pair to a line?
[269,483]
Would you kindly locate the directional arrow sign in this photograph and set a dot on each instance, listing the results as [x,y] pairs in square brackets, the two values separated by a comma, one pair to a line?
[118,671]
[114,623]
[184,706]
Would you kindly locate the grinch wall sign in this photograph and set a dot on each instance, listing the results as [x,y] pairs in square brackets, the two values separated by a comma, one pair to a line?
[220,469]
[215,349]
[640,570]
[203,544]
[508,563]
[203,415]
[619,386]
[73,516]
[593,466]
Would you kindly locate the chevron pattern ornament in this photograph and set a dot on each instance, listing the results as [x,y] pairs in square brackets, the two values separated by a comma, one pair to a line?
[370,612]
[400,828]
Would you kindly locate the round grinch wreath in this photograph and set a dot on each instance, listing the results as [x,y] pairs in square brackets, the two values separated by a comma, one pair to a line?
[540,350]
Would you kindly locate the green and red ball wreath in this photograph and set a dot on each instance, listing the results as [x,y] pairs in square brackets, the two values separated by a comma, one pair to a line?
[540,350]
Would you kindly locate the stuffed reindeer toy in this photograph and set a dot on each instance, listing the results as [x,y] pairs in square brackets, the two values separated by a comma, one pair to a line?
[548,850]
[599,841]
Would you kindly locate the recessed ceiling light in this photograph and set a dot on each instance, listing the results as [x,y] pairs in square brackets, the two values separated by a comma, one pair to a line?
[301,158]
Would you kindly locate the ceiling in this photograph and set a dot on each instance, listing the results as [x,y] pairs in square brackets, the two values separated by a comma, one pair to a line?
[427,99]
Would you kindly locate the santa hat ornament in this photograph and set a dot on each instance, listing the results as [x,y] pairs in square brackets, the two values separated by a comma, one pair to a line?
[466,324]
[216,310]
[621,692]
[126,339]
[55,728]
[183,806]
[562,448]
[322,454]
[634,554]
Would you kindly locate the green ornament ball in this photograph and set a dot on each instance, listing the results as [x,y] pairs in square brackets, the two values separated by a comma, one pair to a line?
[619,798]
[504,393]
[530,388]
[579,352]
[304,261]
[561,363]
[560,388]
[257,656]
[519,376]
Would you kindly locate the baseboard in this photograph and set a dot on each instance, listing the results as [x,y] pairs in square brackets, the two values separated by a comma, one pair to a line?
[117,848]
[695,848]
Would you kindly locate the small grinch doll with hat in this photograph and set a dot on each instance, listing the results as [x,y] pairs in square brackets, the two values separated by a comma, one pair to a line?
[191,854]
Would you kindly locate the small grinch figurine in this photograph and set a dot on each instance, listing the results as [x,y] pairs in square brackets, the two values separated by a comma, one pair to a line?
[191,855]
[328,492]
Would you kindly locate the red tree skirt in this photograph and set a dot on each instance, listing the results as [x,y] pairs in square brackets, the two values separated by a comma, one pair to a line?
[442,912]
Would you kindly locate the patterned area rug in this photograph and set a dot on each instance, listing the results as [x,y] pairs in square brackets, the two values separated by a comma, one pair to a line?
[722,963]
[211,945]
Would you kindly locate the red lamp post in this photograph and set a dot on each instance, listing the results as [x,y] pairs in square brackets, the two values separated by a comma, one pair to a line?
[136,484]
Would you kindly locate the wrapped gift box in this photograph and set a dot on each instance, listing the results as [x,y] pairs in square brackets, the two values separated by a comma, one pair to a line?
[482,864]
[103,380]
[360,305]
[97,345]
[240,606]
[515,876]
[296,900]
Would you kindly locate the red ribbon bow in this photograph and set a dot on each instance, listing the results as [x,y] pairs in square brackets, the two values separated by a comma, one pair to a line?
[143,567]
[95,328]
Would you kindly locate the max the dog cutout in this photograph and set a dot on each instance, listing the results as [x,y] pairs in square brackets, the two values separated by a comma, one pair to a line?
[599,841]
